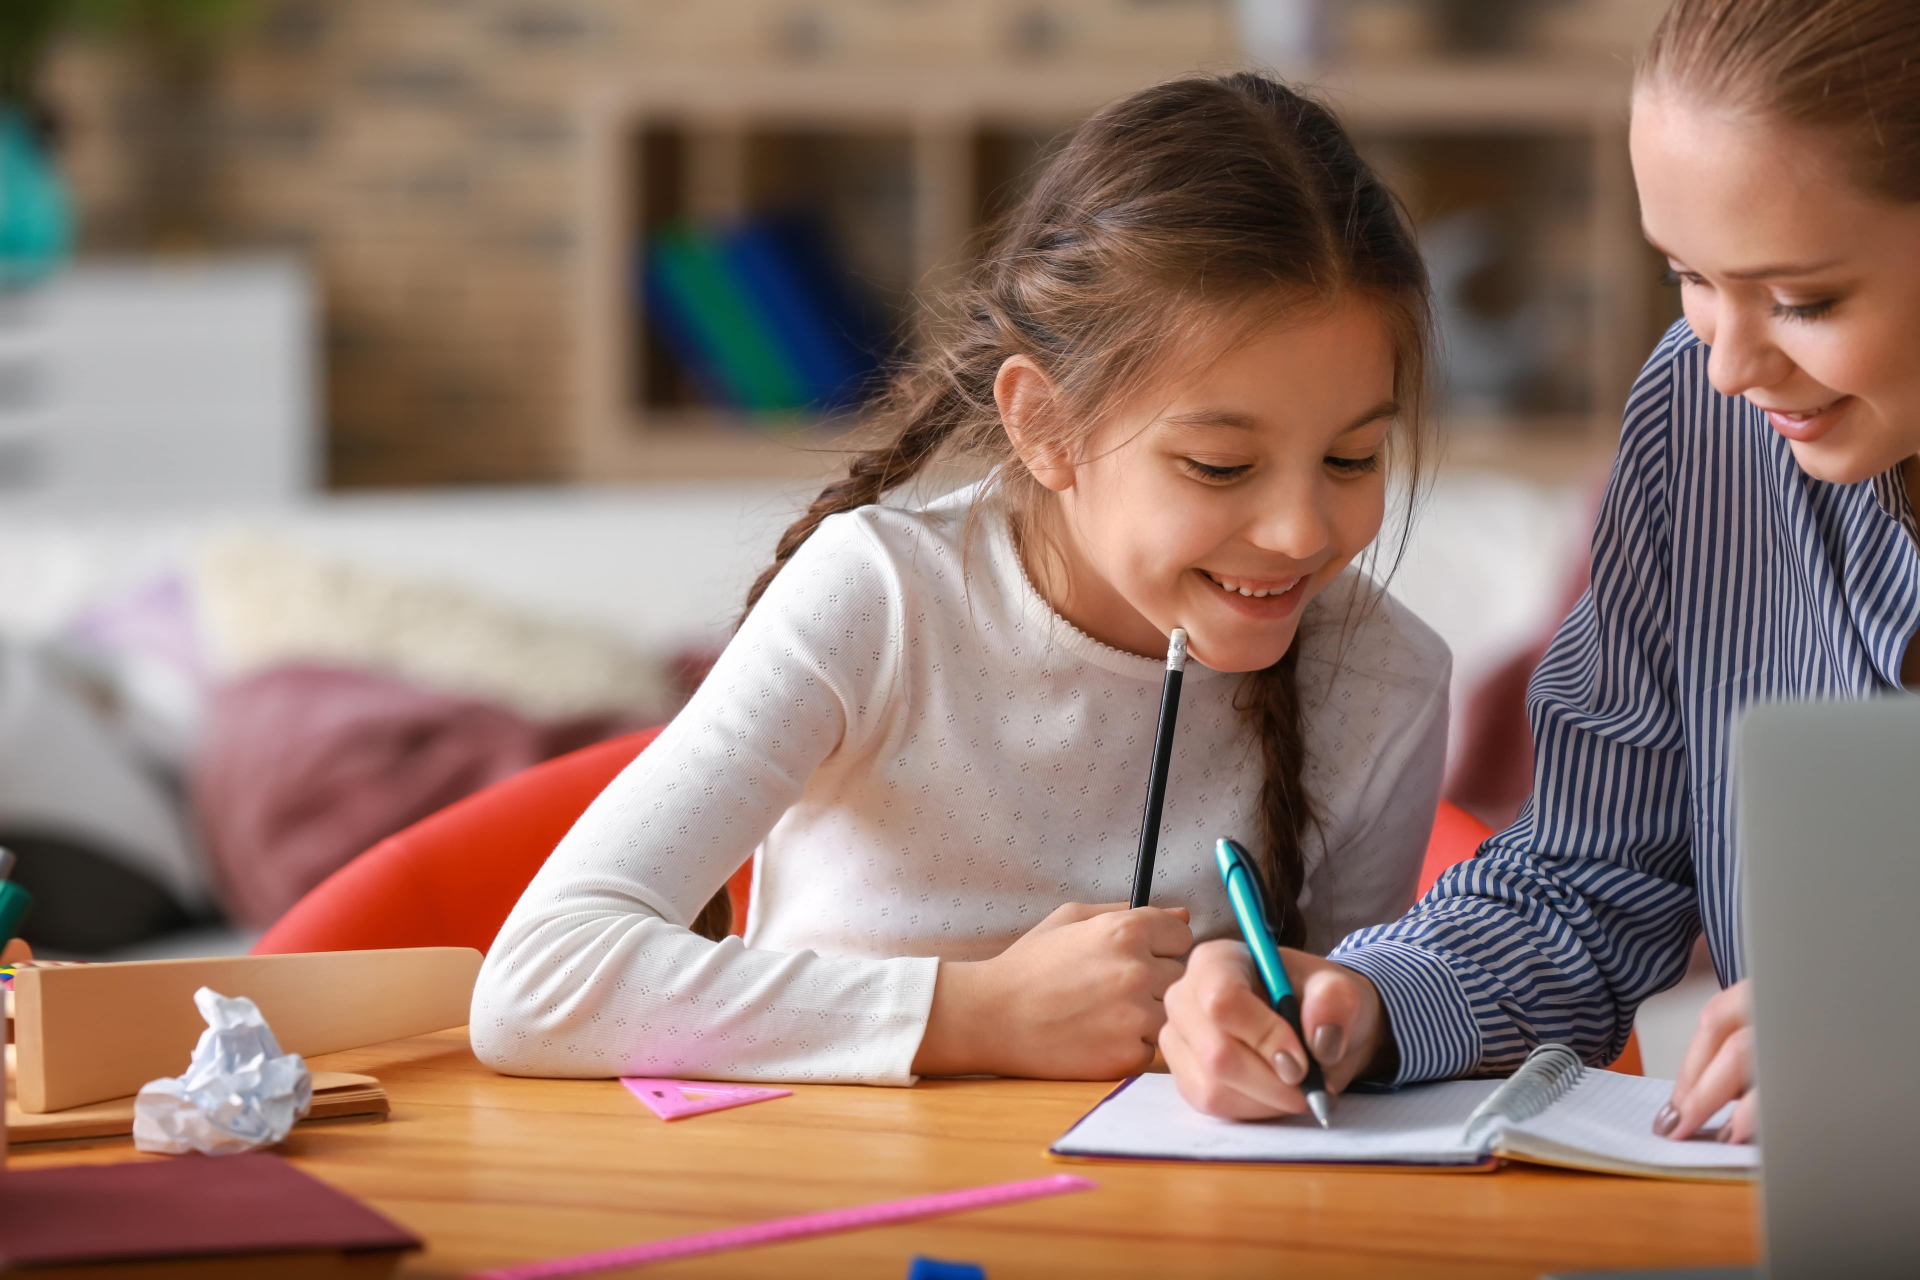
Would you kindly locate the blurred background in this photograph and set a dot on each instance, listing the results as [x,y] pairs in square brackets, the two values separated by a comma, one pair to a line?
[394,393]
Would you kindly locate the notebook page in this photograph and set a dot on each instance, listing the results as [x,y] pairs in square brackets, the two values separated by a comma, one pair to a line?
[1148,1119]
[1612,1116]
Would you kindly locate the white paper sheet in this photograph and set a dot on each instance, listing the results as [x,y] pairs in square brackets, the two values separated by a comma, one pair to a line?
[1606,1116]
[1612,1116]
[1148,1119]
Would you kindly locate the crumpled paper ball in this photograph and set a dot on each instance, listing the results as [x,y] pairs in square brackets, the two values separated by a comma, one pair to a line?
[240,1093]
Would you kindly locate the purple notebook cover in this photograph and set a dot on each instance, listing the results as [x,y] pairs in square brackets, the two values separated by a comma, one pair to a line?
[181,1207]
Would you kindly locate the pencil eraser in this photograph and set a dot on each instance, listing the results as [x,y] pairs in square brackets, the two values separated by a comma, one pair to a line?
[935,1269]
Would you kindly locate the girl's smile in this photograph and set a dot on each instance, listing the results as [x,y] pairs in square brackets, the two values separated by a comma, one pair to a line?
[1255,587]
[1265,599]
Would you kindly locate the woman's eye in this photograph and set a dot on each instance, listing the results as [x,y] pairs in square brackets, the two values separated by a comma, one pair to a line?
[1672,277]
[1212,473]
[1354,466]
[1803,310]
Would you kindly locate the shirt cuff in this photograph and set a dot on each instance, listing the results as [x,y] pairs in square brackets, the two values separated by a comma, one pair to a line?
[906,1025]
[1432,1022]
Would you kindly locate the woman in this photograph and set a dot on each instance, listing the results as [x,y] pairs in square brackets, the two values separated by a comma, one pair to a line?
[1757,541]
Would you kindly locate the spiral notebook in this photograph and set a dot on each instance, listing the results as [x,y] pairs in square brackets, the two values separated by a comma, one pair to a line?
[1553,1110]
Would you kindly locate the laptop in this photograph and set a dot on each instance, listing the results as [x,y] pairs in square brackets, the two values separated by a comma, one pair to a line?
[1829,831]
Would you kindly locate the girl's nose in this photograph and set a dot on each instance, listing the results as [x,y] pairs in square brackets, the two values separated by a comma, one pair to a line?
[1292,524]
[1741,357]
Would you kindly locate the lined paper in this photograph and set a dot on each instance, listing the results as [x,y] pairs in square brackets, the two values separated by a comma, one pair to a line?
[1148,1119]
[1611,1116]
[1604,1123]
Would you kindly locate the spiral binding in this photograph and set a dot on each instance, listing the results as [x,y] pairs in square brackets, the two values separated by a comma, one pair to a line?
[1547,1075]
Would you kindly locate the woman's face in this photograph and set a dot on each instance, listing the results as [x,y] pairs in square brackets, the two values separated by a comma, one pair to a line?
[1805,285]
[1226,500]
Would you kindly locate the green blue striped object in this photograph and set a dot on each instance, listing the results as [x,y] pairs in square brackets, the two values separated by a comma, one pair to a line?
[689,274]
[761,316]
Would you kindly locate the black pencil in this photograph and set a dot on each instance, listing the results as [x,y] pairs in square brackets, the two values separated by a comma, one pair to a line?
[1157,776]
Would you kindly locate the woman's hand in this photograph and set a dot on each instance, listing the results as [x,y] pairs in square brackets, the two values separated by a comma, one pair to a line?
[1076,997]
[1718,1069]
[1233,1056]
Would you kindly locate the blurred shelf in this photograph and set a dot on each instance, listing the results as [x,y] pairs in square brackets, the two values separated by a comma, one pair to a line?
[701,142]
[707,445]
[1458,94]
[1554,450]
[1527,97]
[698,444]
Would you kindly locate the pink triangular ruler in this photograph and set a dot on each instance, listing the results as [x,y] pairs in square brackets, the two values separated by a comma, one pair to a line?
[678,1099]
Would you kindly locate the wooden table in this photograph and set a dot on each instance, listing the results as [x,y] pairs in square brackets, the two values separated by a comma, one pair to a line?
[491,1170]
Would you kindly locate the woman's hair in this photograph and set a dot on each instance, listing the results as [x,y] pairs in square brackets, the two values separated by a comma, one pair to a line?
[1846,65]
[1174,223]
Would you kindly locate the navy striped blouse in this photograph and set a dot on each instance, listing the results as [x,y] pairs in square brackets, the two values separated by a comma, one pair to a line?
[1722,575]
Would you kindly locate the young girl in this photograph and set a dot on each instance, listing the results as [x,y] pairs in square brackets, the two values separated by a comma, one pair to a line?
[1183,361]
[1757,542]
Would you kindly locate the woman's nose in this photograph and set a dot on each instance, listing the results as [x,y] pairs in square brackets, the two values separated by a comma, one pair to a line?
[1741,357]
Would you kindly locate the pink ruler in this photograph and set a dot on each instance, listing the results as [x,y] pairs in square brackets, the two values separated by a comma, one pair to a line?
[678,1099]
[781,1229]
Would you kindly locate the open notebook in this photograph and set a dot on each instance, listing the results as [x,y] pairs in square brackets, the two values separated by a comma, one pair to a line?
[1551,1111]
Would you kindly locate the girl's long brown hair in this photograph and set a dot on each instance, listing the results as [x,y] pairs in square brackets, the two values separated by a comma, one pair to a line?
[1174,221]
[1850,66]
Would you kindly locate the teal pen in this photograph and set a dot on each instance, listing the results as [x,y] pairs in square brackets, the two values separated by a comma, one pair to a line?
[1243,892]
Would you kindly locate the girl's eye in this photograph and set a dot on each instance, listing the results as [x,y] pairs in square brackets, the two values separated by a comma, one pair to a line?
[1354,466]
[1213,474]
[1673,278]
[1803,310]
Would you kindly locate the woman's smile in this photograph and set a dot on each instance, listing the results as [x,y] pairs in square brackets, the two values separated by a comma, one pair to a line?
[1807,425]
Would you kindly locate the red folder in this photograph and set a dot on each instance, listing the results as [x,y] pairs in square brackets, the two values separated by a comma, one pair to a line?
[229,1216]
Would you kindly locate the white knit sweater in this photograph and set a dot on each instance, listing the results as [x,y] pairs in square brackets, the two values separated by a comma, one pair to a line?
[924,760]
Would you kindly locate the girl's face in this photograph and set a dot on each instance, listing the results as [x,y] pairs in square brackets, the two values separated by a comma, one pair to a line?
[1805,285]
[1231,501]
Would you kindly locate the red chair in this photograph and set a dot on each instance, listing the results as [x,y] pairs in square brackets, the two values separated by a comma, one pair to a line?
[450,880]
[1457,836]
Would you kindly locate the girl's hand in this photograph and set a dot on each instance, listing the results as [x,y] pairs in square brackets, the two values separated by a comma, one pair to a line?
[1234,1057]
[1076,997]
[1718,1069]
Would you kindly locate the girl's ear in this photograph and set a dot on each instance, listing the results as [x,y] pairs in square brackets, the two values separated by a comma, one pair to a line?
[1025,397]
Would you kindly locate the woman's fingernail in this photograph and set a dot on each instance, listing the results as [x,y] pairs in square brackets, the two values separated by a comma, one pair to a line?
[1664,1123]
[1725,1134]
[1291,1069]
[1329,1041]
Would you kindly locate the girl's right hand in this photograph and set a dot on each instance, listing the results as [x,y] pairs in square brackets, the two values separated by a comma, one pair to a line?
[1076,997]
[1234,1057]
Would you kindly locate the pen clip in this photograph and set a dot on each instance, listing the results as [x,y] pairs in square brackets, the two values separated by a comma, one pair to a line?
[1249,910]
